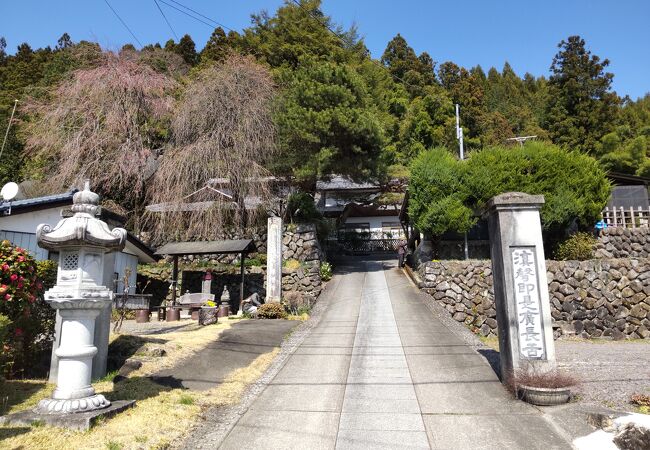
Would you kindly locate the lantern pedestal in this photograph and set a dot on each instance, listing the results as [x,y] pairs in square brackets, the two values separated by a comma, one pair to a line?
[74,392]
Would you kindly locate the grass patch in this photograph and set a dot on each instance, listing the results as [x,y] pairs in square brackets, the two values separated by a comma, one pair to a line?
[492,342]
[304,316]
[186,400]
[19,395]
[108,377]
[157,421]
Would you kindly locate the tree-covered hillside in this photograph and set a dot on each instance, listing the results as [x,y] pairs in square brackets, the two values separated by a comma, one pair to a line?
[334,109]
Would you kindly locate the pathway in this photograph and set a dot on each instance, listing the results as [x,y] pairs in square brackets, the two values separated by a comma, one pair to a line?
[380,371]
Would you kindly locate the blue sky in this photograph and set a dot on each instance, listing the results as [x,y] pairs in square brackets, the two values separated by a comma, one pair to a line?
[488,32]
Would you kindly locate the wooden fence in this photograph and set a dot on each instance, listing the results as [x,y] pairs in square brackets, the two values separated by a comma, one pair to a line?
[627,217]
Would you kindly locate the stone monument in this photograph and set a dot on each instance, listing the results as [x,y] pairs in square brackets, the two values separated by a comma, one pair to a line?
[274,260]
[83,242]
[520,286]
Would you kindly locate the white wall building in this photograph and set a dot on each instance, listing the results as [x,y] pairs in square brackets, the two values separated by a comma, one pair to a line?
[19,219]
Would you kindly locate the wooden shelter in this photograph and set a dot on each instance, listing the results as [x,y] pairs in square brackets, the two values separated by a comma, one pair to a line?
[176,249]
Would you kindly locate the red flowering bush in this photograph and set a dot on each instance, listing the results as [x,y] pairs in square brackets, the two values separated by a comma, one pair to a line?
[28,337]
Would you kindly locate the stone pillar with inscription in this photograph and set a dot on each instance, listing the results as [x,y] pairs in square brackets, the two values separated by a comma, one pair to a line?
[274,260]
[520,285]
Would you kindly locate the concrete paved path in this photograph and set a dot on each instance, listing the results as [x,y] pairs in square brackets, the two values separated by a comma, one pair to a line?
[380,371]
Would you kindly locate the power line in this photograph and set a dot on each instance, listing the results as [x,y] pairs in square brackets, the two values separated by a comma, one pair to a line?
[193,17]
[199,14]
[124,23]
[165,17]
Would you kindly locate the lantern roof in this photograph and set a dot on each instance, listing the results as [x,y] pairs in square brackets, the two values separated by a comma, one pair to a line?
[83,228]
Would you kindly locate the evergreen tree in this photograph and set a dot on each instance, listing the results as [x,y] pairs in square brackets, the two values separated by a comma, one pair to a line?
[406,67]
[64,42]
[298,32]
[218,46]
[581,107]
[187,50]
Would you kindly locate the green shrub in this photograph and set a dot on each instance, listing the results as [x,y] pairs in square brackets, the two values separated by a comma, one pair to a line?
[447,194]
[46,271]
[31,331]
[302,208]
[271,311]
[580,247]
[325,271]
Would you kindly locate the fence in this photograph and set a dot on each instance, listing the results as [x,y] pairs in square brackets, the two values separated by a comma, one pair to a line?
[364,246]
[627,217]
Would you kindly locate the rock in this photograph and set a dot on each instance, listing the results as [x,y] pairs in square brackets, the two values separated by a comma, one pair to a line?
[579,274]
[632,436]
[618,335]
[492,323]
[627,292]
[460,316]
[443,286]
[565,289]
[638,311]
[130,365]
[622,312]
[156,352]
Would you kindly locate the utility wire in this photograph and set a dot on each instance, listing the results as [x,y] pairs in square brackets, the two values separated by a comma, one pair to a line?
[201,15]
[11,119]
[190,15]
[124,23]
[165,17]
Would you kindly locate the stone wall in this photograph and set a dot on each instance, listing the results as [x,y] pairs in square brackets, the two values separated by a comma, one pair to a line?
[299,243]
[618,242]
[595,298]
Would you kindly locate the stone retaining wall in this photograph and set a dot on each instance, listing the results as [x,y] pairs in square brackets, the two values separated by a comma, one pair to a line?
[618,242]
[592,298]
[299,243]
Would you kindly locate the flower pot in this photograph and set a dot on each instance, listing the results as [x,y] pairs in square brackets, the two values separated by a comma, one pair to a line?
[544,396]
[224,310]
[208,315]
[141,315]
[173,314]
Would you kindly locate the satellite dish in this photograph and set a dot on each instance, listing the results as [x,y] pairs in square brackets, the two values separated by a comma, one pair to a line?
[9,191]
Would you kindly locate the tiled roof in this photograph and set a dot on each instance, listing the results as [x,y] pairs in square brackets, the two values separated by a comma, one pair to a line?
[338,182]
[38,201]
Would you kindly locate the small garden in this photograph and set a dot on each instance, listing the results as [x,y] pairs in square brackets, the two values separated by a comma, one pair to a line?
[162,414]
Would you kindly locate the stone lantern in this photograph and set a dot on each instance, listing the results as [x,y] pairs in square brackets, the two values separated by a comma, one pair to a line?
[83,242]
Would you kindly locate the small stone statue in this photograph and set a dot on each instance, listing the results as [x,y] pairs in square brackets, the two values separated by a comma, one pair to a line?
[250,304]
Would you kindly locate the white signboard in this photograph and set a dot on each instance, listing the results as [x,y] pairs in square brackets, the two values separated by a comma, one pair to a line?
[529,306]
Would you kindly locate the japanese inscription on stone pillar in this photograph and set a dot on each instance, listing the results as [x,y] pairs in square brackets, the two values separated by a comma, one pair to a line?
[528,304]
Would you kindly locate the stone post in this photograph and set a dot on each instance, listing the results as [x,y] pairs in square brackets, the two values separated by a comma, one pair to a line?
[206,285]
[520,285]
[78,296]
[274,260]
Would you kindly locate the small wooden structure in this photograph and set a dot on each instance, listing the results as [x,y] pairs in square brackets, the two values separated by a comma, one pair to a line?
[176,249]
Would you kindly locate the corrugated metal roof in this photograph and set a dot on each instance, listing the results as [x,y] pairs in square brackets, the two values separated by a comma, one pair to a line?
[207,247]
[38,201]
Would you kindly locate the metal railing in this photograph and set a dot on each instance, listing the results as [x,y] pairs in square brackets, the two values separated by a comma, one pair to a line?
[627,217]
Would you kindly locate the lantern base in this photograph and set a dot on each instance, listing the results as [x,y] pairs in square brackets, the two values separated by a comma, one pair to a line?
[75,405]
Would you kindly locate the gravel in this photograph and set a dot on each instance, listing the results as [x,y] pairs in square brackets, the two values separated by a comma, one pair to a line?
[609,372]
